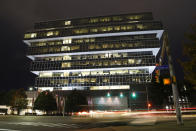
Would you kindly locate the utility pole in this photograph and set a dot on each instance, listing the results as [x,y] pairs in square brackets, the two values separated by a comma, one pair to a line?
[173,80]
[147,97]
[63,106]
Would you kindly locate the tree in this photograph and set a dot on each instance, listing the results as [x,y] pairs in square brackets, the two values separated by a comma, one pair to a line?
[189,51]
[189,63]
[19,100]
[6,97]
[76,101]
[45,102]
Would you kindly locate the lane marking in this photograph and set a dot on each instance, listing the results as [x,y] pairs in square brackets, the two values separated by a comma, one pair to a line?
[45,124]
[8,130]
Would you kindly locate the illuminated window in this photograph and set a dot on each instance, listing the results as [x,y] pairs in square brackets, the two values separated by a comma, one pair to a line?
[106,80]
[67,22]
[140,26]
[105,46]
[139,61]
[109,87]
[92,40]
[65,48]
[93,80]
[46,74]
[116,18]
[30,35]
[85,73]
[49,33]
[66,57]
[130,27]
[102,29]
[93,20]
[91,47]
[123,27]
[136,17]
[117,28]
[105,19]
[33,35]
[105,63]
[52,33]
[67,41]
[94,30]
[66,64]
[131,61]
[78,41]
[110,28]
[75,47]
[57,74]
[80,31]
[51,43]
[66,74]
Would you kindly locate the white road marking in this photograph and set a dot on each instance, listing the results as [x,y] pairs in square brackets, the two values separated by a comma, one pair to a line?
[45,124]
[8,130]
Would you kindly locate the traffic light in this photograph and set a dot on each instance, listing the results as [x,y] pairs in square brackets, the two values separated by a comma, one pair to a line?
[166,81]
[133,95]
[149,105]
[157,74]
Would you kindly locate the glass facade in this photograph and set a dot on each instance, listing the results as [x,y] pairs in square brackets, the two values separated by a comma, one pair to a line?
[105,53]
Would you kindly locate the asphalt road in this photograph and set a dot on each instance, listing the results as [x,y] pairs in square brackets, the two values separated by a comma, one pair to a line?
[54,123]
[59,123]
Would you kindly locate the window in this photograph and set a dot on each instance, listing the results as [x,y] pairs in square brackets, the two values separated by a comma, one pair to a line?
[91,47]
[47,74]
[65,48]
[140,26]
[33,35]
[86,73]
[52,33]
[117,18]
[131,61]
[66,74]
[117,28]
[105,19]
[57,74]
[67,41]
[94,30]
[75,47]
[66,64]
[66,57]
[49,33]
[67,22]
[93,20]
[30,35]
[80,31]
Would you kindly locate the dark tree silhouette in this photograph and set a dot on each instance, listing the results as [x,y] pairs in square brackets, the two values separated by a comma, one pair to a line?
[45,102]
[19,100]
[76,101]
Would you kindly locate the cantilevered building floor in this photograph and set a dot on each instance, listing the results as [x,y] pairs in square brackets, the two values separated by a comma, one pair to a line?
[110,57]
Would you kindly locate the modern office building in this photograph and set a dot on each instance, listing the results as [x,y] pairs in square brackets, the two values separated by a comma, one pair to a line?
[111,58]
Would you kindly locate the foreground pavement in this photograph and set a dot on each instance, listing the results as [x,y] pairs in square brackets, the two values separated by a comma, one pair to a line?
[111,122]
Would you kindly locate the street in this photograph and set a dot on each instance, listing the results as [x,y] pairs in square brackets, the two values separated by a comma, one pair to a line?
[59,123]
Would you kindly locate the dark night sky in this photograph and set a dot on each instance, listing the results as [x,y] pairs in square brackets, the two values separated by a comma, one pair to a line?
[18,16]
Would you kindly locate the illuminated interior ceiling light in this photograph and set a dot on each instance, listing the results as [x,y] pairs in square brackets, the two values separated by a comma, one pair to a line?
[121,95]
[108,94]
[68,22]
